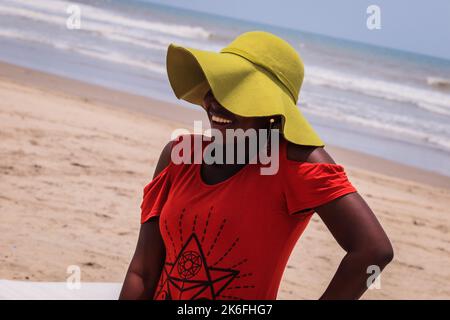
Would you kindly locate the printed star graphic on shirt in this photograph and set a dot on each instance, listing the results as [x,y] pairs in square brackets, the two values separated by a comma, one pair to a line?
[189,276]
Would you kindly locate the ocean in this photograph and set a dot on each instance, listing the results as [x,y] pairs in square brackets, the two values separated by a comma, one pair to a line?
[384,102]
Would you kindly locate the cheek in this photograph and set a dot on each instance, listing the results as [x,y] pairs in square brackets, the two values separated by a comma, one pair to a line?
[256,124]
[250,123]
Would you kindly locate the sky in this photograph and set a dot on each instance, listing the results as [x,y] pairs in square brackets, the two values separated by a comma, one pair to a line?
[420,26]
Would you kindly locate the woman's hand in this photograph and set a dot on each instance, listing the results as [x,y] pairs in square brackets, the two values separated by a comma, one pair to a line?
[355,228]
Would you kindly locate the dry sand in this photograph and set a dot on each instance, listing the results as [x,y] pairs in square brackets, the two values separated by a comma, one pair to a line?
[74,161]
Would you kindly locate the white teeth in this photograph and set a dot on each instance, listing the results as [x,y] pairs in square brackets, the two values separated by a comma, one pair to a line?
[220,120]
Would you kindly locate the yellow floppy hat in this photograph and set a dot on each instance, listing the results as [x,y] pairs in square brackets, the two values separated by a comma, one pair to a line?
[257,74]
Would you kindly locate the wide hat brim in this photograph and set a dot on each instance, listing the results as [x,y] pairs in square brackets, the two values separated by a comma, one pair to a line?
[240,86]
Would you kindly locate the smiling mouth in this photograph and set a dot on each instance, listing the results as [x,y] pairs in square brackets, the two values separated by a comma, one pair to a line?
[220,120]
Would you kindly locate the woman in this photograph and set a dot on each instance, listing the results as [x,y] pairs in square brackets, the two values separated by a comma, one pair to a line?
[225,231]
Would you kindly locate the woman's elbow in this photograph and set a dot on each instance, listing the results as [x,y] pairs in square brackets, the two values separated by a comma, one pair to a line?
[381,254]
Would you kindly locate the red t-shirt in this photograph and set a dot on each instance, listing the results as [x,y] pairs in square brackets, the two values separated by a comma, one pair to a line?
[232,240]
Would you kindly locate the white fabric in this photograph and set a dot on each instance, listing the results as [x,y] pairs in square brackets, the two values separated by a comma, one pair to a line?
[26,290]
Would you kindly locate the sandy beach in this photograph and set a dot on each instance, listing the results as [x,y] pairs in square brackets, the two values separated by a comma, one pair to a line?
[74,161]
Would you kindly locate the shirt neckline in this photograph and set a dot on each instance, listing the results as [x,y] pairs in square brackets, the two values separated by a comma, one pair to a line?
[198,169]
[227,180]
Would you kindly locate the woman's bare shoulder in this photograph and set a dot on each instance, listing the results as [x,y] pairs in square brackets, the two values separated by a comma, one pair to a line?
[310,154]
[164,158]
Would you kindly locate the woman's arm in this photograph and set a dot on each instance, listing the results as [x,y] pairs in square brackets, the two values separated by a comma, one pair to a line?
[355,228]
[145,267]
[148,259]
[358,232]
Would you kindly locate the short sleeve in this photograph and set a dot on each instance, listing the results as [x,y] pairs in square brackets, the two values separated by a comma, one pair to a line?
[155,195]
[309,185]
